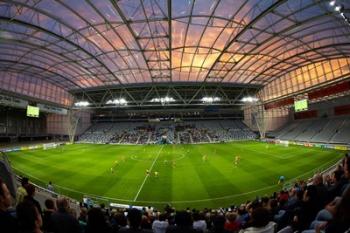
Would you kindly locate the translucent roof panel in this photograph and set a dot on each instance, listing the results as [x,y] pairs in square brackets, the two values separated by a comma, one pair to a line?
[85,44]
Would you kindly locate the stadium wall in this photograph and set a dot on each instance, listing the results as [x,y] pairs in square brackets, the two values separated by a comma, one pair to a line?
[14,122]
[58,124]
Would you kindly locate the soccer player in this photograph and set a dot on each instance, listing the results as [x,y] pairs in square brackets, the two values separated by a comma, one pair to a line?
[281,180]
[147,172]
[204,158]
[112,170]
[237,159]
[156,174]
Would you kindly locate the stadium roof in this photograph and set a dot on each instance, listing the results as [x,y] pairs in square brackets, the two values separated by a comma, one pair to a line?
[78,45]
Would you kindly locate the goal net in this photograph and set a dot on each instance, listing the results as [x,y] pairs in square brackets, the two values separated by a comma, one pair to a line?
[255,117]
[72,123]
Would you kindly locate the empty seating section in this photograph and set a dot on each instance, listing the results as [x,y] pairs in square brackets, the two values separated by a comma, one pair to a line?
[314,128]
[183,132]
[342,134]
[326,130]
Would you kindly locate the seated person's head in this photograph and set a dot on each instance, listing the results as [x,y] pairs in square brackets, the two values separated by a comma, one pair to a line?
[28,216]
[231,217]
[260,217]
[183,219]
[24,181]
[219,222]
[134,218]
[30,190]
[62,204]
[49,204]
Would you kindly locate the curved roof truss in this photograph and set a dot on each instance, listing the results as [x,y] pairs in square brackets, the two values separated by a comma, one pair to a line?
[79,45]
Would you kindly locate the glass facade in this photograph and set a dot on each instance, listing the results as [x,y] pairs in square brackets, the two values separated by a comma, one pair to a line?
[306,77]
[74,45]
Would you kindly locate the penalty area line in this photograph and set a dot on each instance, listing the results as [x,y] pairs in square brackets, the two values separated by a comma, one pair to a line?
[150,170]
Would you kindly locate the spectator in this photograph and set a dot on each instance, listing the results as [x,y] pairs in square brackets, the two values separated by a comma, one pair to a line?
[29,218]
[231,224]
[260,222]
[83,219]
[321,190]
[160,225]
[334,189]
[7,221]
[97,222]
[118,221]
[50,209]
[50,187]
[62,221]
[83,215]
[21,191]
[134,219]
[219,224]
[146,221]
[30,197]
[308,208]
[183,223]
[341,220]
[199,223]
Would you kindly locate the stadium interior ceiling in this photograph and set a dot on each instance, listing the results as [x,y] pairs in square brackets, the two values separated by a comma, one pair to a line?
[164,55]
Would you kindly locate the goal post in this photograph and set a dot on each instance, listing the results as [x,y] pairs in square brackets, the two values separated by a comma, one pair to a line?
[258,118]
[73,118]
[255,115]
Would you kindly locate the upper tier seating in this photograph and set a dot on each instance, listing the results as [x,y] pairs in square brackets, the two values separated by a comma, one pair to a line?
[327,130]
[182,132]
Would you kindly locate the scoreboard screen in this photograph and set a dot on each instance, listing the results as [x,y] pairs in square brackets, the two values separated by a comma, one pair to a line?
[300,105]
[32,111]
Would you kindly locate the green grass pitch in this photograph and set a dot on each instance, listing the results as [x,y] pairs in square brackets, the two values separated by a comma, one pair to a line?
[186,178]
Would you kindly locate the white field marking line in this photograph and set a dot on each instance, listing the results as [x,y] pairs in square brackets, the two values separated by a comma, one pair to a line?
[189,201]
[150,170]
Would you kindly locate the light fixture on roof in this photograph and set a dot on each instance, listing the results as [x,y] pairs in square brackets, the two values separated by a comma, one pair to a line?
[249,99]
[332,3]
[82,104]
[120,102]
[163,100]
[338,8]
[210,99]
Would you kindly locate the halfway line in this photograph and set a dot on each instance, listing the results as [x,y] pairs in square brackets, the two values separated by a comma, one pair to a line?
[150,170]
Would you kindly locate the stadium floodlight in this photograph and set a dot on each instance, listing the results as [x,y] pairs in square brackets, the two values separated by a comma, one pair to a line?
[163,100]
[120,102]
[332,3]
[82,104]
[338,8]
[210,99]
[249,99]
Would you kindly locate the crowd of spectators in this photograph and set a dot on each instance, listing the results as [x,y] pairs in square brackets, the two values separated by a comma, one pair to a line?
[182,132]
[323,205]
